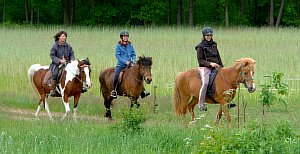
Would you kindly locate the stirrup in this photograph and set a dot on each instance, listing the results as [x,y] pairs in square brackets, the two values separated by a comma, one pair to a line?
[144,94]
[203,108]
[84,89]
[113,94]
[52,93]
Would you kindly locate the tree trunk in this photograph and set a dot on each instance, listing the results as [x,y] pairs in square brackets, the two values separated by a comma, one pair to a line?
[31,14]
[271,23]
[66,10]
[280,13]
[226,14]
[242,7]
[255,12]
[26,10]
[179,12]
[169,12]
[72,12]
[4,11]
[191,12]
[38,15]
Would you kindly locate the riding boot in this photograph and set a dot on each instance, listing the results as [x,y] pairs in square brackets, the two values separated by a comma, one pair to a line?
[113,93]
[202,96]
[53,86]
[144,94]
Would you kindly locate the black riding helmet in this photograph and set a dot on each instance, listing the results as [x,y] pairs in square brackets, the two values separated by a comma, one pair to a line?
[124,32]
[207,31]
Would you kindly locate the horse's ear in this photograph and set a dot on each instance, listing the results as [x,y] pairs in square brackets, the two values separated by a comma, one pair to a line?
[87,58]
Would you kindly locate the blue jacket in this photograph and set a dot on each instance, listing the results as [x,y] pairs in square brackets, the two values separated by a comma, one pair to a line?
[125,53]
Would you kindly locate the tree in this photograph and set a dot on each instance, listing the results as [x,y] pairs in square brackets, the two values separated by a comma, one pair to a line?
[191,12]
[169,12]
[4,11]
[26,9]
[271,23]
[179,12]
[280,13]
[226,14]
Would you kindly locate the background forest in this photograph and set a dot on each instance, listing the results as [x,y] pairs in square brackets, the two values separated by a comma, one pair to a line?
[153,12]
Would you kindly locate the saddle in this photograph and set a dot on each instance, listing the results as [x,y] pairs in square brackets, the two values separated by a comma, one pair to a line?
[48,76]
[211,84]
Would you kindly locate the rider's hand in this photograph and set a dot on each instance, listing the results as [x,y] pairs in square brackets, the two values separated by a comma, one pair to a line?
[127,63]
[62,61]
[214,65]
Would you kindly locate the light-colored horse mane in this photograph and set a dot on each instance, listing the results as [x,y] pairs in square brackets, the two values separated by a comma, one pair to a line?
[72,67]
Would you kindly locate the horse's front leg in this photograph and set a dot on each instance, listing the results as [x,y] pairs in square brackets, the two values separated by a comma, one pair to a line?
[67,106]
[76,99]
[134,102]
[219,115]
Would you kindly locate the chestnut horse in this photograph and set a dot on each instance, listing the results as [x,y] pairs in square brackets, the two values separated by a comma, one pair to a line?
[72,78]
[131,85]
[187,86]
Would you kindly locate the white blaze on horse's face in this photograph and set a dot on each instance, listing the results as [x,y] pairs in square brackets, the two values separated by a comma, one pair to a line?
[253,84]
[87,76]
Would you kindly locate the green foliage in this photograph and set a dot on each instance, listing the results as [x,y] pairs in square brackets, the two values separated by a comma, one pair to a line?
[145,12]
[248,139]
[132,121]
[267,95]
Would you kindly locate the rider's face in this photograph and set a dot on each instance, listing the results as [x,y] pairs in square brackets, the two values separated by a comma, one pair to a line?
[208,37]
[125,38]
[62,38]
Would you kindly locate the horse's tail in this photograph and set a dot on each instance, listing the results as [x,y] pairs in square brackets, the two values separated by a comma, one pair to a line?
[33,68]
[177,103]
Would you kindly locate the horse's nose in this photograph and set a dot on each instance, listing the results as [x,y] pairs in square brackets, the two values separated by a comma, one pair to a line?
[148,80]
[89,85]
[251,89]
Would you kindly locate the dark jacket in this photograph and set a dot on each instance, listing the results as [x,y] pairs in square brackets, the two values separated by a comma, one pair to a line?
[207,52]
[58,52]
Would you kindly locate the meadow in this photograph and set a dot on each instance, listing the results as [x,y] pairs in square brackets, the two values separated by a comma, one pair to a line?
[161,131]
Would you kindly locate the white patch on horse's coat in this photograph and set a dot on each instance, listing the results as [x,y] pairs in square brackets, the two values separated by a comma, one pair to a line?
[72,71]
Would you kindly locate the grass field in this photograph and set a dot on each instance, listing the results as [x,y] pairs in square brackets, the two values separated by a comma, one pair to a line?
[173,51]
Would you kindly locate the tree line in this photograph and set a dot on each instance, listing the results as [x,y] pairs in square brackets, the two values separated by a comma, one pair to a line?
[153,12]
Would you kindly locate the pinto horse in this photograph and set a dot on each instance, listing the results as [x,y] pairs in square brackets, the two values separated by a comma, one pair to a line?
[187,86]
[72,78]
[131,85]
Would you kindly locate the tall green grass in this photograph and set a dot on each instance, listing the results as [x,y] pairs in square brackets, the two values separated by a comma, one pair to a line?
[172,50]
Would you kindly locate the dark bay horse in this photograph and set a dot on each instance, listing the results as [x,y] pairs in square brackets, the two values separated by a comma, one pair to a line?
[131,85]
[71,84]
[187,86]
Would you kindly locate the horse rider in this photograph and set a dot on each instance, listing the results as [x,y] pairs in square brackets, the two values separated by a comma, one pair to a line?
[60,53]
[208,58]
[126,56]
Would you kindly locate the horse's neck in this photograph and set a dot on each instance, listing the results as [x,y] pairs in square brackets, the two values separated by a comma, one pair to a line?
[230,75]
[135,72]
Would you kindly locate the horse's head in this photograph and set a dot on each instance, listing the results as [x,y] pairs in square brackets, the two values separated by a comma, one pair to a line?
[85,71]
[246,73]
[145,64]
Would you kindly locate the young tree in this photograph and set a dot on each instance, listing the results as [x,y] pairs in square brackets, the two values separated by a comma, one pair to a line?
[280,13]
[179,12]
[191,12]
[4,11]
[271,22]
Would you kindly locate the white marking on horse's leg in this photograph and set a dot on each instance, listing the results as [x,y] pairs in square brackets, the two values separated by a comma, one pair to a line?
[75,114]
[67,107]
[48,110]
[38,111]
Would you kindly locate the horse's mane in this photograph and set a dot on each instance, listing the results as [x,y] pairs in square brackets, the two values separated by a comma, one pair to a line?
[145,60]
